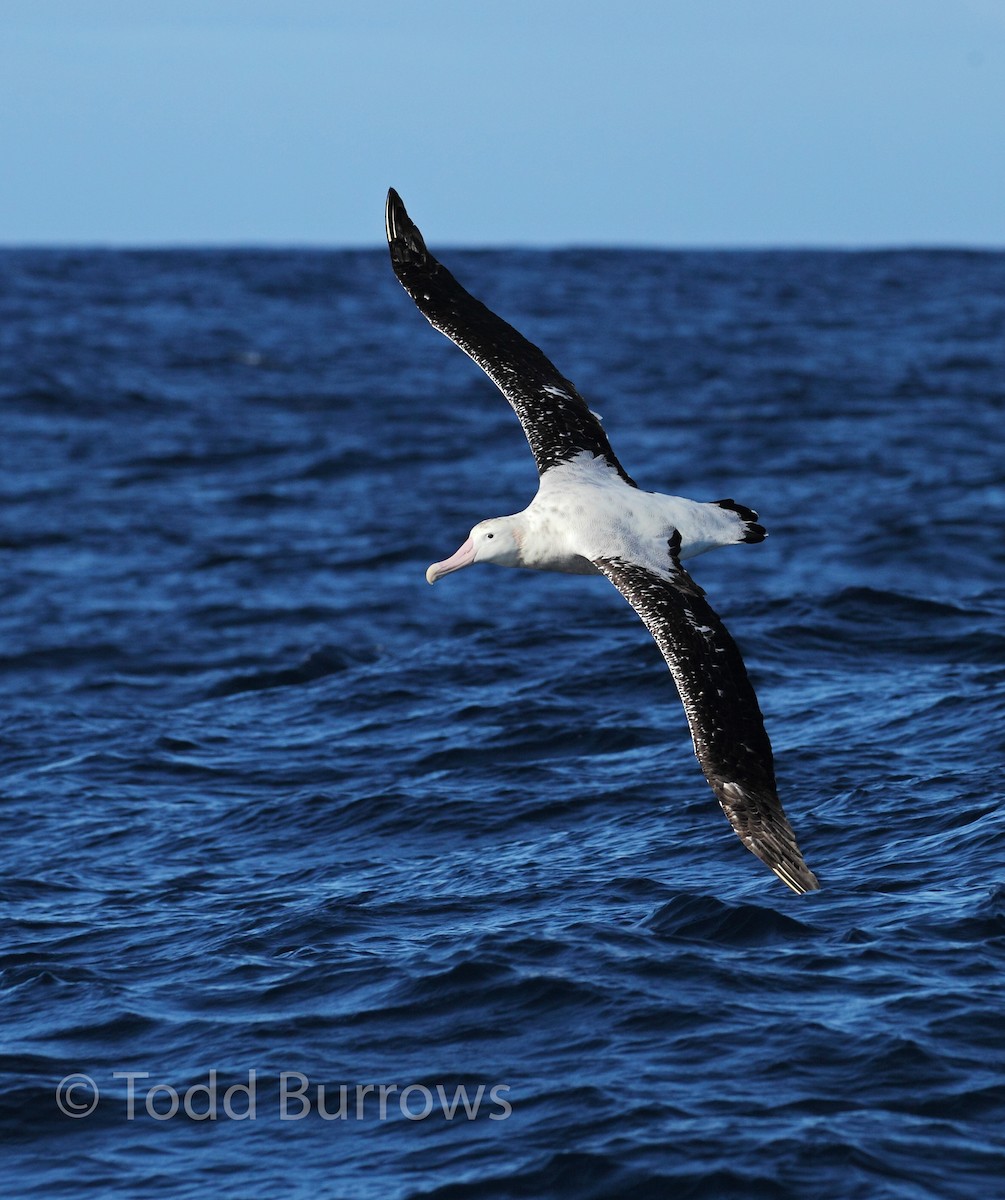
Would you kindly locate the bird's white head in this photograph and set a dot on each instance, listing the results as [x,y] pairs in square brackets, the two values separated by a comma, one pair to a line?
[496,540]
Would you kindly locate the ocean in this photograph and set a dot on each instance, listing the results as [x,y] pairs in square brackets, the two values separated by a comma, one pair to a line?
[318,881]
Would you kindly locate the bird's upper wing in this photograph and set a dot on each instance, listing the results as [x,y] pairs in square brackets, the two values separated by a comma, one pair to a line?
[554,416]
[726,724]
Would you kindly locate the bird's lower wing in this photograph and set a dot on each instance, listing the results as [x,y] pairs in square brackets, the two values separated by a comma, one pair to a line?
[556,419]
[722,710]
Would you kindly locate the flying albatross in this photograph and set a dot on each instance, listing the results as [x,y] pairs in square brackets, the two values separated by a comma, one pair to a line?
[588,517]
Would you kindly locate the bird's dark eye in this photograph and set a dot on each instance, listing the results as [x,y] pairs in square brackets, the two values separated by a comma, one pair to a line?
[488,535]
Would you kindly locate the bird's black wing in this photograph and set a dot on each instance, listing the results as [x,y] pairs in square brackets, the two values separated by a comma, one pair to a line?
[726,723]
[555,418]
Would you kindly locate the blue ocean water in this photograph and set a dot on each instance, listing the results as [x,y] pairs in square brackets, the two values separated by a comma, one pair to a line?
[295,846]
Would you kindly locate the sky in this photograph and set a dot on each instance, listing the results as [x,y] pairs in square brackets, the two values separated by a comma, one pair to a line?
[503,122]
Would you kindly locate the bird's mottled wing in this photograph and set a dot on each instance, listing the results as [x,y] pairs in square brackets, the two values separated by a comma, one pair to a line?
[555,418]
[722,710]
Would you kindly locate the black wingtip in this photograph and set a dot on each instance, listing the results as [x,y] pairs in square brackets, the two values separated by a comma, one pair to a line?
[795,875]
[403,238]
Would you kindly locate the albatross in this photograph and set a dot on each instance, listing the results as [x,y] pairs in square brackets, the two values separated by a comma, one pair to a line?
[590,517]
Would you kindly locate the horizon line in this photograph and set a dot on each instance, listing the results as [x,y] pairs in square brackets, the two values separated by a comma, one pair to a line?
[850,246]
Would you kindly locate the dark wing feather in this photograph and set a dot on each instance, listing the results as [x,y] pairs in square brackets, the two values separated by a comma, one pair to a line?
[726,723]
[554,416]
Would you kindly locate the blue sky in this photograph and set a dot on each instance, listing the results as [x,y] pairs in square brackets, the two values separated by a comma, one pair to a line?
[533,122]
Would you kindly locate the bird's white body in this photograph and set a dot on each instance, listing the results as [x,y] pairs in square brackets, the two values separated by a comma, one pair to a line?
[583,511]
[584,507]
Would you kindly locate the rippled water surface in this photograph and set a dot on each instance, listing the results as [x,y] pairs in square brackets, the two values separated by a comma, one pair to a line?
[272,805]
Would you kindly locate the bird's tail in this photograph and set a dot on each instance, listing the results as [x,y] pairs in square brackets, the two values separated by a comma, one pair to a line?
[750,531]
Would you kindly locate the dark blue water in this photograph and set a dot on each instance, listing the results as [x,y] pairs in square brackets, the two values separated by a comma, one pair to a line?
[273,805]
